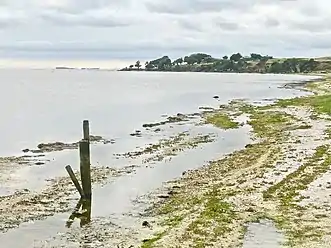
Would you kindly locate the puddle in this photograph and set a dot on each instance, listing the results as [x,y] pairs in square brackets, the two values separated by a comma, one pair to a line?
[263,234]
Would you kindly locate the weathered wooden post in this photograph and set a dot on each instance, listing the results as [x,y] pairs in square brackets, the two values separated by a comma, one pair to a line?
[85,190]
[85,161]
[85,170]
[75,181]
[86,130]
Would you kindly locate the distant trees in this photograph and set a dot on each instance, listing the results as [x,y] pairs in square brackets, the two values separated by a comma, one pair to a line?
[178,61]
[256,56]
[138,65]
[160,64]
[236,57]
[293,65]
[197,58]
[235,63]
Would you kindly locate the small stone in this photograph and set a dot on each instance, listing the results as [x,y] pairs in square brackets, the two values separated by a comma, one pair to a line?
[26,150]
[164,196]
[146,224]
[248,146]
[250,210]
[39,163]
[216,97]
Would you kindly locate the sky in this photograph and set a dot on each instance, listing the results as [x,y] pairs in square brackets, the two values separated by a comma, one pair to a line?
[54,31]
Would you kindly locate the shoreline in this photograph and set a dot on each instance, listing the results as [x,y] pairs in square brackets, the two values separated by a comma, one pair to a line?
[272,179]
[45,201]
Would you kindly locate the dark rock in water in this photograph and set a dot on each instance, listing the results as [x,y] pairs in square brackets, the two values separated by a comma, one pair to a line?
[136,133]
[157,130]
[183,173]
[39,163]
[26,150]
[175,118]
[248,146]
[216,97]
[146,224]
[163,196]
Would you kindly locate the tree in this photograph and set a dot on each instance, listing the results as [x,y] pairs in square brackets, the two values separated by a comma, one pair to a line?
[236,57]
[138,65]
[225,57]
[178,61]
[256,56]
[164,64]
[149,67]
[189,60]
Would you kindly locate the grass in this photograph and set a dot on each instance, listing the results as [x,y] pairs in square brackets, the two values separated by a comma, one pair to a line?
[214,221]
[287,189]
[207,197]
[287,192]
[150,243]
[222,120]
[269,123]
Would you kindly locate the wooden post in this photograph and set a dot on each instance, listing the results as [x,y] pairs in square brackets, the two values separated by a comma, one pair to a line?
[85,168]
[86,130]
[85,172]
[75,181]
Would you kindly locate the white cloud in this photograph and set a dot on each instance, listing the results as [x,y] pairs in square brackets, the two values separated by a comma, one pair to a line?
[150,28]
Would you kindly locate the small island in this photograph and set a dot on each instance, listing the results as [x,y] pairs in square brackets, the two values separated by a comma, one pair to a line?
[236,63]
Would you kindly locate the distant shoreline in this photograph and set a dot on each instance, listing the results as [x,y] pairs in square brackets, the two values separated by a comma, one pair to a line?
[236,63]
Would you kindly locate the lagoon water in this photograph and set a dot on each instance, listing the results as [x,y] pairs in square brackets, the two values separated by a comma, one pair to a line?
[49,105]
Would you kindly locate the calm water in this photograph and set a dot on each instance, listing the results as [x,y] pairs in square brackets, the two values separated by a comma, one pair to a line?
[45,106]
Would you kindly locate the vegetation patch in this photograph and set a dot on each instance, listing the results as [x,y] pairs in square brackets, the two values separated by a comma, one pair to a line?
[214,203]
[222,120]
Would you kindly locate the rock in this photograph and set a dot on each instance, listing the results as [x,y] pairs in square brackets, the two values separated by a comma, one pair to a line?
[146,224]
[250,210]
[216,97]
[136,133]
[163,196]
[39,163]
[157,130]
[248,146]
[26,150]
[183,173]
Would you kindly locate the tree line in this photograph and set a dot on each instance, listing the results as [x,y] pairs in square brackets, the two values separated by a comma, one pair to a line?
[202,62]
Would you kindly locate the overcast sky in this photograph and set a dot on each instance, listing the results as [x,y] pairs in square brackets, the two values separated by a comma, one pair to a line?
[143,29]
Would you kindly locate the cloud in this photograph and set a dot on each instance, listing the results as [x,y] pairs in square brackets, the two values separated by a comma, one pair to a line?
[151,28]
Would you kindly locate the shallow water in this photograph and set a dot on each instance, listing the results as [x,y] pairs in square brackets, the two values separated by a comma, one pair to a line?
[263,234]
[46,106]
